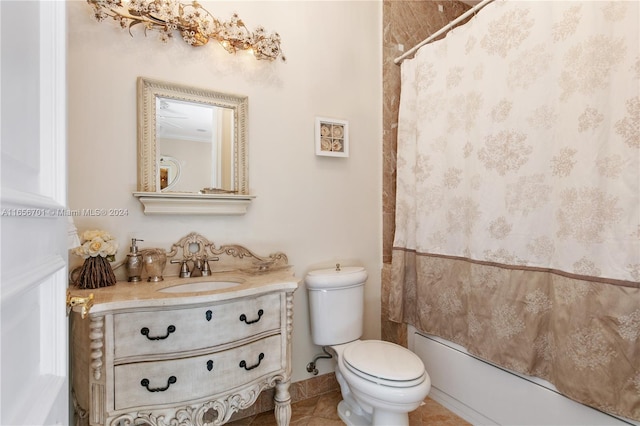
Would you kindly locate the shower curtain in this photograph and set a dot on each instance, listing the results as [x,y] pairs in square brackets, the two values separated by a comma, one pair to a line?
[518,194]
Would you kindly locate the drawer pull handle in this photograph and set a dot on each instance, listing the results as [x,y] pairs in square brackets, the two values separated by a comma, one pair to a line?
[145,332]
[209,365]
[209,315]
[145,383]
[243,317]
[243,363]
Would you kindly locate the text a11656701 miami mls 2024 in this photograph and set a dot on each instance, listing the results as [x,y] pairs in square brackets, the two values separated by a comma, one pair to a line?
[35,212]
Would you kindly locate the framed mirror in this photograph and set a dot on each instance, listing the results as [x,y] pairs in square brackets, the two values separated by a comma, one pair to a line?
[192,150]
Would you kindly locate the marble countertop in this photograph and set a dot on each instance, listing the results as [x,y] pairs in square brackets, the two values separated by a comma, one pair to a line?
[131,296]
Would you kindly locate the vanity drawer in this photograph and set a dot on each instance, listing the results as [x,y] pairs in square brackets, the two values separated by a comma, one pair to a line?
[184,379]
[179,330]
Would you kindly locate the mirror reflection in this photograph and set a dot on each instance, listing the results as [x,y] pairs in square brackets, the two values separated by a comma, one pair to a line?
[196,147]
[169,172]
[191,140]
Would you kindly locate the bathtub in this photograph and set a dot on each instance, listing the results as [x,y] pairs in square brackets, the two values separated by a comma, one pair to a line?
[484,394]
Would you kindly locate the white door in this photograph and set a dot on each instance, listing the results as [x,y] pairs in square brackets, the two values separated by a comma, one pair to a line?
[34,385]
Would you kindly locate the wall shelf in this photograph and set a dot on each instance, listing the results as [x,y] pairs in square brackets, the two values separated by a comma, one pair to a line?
[193,204]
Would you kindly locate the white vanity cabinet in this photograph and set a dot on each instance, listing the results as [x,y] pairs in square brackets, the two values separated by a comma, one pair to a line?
[142,356]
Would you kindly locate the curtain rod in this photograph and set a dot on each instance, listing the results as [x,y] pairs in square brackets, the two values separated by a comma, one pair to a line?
[442,30]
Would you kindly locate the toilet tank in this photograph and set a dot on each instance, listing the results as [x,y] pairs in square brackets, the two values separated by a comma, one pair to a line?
[336,304]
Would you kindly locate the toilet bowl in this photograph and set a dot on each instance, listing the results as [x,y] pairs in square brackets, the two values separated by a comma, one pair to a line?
[380,382]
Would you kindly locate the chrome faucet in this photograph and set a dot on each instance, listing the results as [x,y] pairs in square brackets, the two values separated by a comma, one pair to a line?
[200,268]
[197,268]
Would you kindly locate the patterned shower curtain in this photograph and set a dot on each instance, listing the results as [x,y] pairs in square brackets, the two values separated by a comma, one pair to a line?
[518,194]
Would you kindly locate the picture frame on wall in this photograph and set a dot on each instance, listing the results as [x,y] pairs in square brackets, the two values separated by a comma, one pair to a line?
[332,137]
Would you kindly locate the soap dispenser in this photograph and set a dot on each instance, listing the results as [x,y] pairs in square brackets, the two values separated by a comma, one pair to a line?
[134,262]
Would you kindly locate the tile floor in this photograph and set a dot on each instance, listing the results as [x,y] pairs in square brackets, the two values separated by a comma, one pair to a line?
[321,411]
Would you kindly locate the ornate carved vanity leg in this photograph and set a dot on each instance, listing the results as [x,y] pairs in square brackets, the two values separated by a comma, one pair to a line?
[97,343]
[282,399]
[97,402]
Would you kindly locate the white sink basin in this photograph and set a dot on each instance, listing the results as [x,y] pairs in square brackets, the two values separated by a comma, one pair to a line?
[200,286]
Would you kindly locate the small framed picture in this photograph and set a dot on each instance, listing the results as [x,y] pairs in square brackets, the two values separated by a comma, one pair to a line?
[332,137]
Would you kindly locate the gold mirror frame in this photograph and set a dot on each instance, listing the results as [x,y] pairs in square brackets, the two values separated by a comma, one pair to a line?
[149,193]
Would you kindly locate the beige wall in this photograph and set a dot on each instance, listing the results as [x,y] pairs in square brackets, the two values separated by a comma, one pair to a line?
[318,210]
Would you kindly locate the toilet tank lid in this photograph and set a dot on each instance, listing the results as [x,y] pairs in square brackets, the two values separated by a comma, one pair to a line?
[347,276]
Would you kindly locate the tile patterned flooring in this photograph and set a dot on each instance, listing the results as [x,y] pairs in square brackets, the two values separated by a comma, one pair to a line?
[321,411]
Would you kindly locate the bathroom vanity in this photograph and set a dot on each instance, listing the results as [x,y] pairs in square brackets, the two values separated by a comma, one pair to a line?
[188,351]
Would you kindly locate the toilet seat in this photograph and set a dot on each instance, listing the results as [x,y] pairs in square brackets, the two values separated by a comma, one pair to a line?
[384,363]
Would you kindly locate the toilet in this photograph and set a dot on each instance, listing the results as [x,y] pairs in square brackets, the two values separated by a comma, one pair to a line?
[380,382]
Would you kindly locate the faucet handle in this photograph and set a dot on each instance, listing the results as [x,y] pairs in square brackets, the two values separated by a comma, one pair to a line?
[206,271]
[184,268]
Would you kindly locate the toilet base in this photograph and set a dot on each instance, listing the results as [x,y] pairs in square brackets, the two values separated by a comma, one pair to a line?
[350,417]
[386,418]
[380,417]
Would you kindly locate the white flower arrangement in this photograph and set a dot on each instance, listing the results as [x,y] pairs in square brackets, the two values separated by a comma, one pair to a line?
[97,243]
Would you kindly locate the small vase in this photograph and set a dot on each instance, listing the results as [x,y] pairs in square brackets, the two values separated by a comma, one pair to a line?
[154,263]
[96,272]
